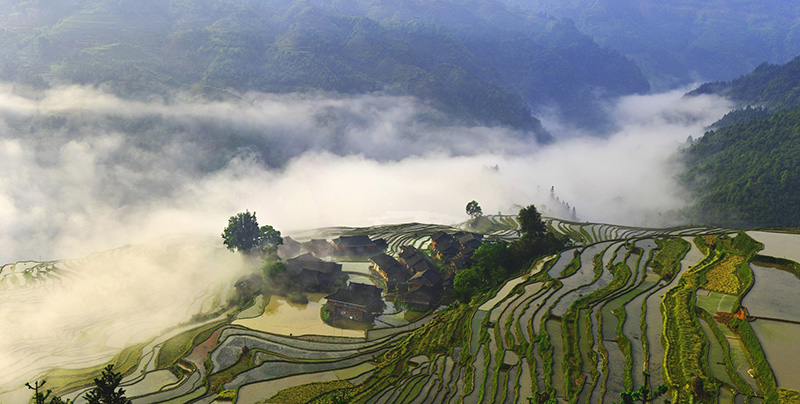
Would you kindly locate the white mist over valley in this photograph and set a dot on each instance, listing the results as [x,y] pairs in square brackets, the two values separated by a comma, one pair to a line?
[89,186]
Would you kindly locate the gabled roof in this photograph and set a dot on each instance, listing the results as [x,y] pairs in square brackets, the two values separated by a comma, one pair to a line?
[422,266]
[309,262]
[424,295]
[357,294]
[318,246]
[427,278]
[408,251]
[440,236]
[469,240]
[449,247]
[389,265]
[289,247]
[384,261]
[354,242]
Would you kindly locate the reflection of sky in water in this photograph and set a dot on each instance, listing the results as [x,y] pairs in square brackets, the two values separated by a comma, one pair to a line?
[778,244]
[285,318]
[782,348]
[773,294]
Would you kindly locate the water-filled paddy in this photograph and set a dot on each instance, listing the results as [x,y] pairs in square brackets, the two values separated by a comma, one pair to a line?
[773,295]
[781,245]
[782,348]
[283,317]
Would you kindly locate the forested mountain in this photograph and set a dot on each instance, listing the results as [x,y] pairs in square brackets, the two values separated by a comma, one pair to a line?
[774,87]
[747,174]
[683,41]
[473,59]
[747,171]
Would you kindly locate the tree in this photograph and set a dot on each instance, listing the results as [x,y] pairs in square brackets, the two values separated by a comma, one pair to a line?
[643,393]
[243,233]
[105,389]
[530,222]
[474,210]
[270,236]
[41,398]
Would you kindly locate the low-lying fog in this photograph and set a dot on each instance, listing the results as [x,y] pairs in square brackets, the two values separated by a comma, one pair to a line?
[84,171]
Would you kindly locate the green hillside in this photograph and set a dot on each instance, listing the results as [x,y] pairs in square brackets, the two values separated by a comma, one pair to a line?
[775,87]
[477,60]
[747,174]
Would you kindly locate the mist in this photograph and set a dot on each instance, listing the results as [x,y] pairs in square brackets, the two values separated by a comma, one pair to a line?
[86,172]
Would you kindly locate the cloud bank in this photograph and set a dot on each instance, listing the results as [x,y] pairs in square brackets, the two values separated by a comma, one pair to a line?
[84,171]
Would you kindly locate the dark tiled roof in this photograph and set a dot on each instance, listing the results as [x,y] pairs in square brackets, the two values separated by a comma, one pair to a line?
[310,262]
[469,240]
[389,265]
[358,294]
[423,295]
[440,236]
[422,266]
[384,261]
[408,251]
[354,242]
[427,278]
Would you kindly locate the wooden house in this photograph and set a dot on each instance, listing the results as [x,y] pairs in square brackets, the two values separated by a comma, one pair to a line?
[312,273]
[415,260]
[422,298]
[429,278]
[357,301]
[425,290]
[318,247]
[358,246]
[392,271]
[457,248]
[444,245]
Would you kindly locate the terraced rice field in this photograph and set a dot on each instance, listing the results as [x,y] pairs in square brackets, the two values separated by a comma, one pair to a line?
[579,327]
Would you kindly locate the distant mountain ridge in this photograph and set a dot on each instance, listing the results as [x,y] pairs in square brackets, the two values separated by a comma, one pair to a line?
[774,87]
[681,42]
[475,60]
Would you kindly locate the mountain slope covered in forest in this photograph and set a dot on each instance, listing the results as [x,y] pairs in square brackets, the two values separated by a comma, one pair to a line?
[477,61]
[747,174]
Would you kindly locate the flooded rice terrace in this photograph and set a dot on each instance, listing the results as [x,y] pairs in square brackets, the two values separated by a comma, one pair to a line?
[82,312]
[575,309]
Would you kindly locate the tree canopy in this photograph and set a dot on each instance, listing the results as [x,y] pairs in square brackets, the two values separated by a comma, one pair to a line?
[105,390]
[530,221]
[493,263]
[474,210]
[747,175]
[244,234]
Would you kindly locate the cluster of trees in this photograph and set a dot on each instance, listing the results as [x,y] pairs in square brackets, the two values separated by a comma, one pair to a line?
[244,234]
[105,391]
[746,172]
[494,263]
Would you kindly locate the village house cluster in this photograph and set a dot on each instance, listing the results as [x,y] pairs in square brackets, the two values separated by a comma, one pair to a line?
[413,276]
